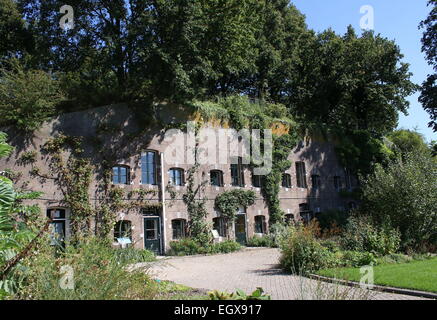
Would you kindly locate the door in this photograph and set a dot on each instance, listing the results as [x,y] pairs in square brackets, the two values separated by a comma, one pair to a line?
[152,234]
[240,229]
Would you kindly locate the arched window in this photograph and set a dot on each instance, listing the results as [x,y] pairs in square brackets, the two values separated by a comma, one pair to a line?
[176,176]
[260,224]
[315,181]
[123,230]
[148,167]
[286,180]
[121,174]
[216,178]
[179,227]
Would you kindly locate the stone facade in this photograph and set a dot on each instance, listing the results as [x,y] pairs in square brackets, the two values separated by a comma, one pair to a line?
[297,202]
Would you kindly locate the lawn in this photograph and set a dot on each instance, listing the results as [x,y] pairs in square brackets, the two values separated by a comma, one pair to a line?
[418,275]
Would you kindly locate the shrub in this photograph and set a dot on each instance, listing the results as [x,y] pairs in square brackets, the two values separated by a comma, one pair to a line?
[131,255]
[264,241]
[97,272]
[361,235]
[404,194]
[332,217]
[302,253]
[394,258]
[185,247]
[278,233]
[357,259]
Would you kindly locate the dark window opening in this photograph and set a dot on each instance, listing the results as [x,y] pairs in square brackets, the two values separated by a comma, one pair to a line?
[316,181]
[338,185]
[289,218]
[257,181]
[301,175]
[216,178]
[179,227]
[237,173]
[260,224]
[305,213]
[286,180]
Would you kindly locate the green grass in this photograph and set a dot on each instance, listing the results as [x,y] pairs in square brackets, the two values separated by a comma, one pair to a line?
[169,290]
[418,275]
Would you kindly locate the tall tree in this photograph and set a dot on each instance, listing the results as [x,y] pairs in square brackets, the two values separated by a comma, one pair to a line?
[428,97]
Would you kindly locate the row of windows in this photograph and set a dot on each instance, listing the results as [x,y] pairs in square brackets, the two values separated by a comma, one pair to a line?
[121,175]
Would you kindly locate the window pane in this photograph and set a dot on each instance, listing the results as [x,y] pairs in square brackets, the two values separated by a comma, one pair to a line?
[148,168]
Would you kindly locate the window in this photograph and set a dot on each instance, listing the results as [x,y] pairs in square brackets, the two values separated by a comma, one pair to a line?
[352,205]
[286,180]
[305,213]
[219,224]
[338,185]
[315,181]
[289,218]
[301,175]
[216,178]
[121,175]
[237,174]
[123,230]
[148,167]
[348,178]
[178,226]
[176,176]
[257,181]
[260,224]
[57,226]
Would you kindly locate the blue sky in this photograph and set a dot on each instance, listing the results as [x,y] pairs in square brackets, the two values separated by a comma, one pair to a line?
[394,19]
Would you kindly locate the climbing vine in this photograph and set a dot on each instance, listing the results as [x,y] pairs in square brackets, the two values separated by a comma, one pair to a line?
[229,202]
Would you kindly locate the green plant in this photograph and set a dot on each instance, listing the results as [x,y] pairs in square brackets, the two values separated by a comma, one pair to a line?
[133,255]
[190,246]
[361,234]
[301,253]
[256,241]
[258,294]
[97,273]
[394,258]
[357,259]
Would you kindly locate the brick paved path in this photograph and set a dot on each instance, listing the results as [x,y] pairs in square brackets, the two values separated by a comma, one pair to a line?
[251,268]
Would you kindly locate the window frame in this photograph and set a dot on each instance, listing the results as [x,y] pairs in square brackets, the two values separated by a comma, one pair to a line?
[172,177]
[237,173]
[301,180]
[260,226]
[220,178]
[119,167]
[123,233]
[287,181]
[146,174]
[179,232]
[219,224]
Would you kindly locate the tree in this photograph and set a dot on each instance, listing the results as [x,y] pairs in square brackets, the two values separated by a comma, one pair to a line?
[408,141]
[404,195]
[27,97]
[428,98]
[15,39]
[352,83]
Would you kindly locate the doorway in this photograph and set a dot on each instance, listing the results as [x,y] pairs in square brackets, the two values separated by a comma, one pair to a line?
[240,229]
[152,234]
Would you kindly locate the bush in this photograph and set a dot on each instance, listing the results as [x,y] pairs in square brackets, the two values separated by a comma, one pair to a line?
[302,253]
[394,258]
[264,241]
[97,272]
[186,247]
[332,217]
[357,259]
[361,235]
[131,255]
